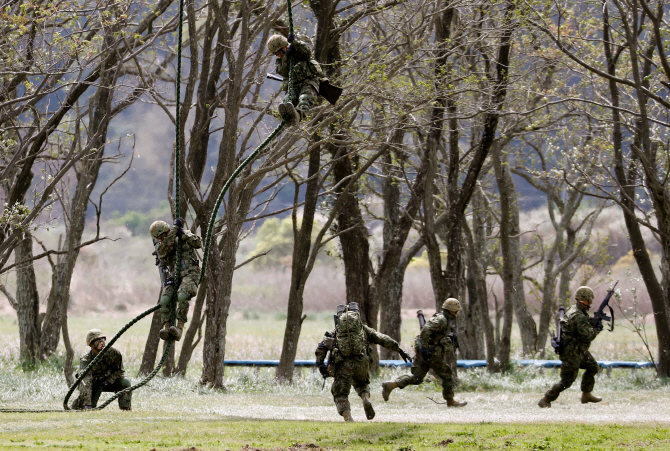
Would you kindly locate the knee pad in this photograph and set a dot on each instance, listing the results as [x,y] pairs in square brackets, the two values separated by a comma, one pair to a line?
[304,103]
[125,383]
[183,297]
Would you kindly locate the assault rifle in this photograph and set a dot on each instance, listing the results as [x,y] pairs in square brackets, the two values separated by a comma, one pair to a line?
[556,341]
[329,92]
[163,270]
[599,316]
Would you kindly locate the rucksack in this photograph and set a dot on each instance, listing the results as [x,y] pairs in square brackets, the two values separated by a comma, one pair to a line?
[350,334]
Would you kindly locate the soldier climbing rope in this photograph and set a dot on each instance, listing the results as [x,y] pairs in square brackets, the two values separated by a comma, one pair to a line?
[208,238]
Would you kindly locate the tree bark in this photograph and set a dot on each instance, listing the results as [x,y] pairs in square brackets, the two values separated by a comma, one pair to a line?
[510,243]
[27,303]
[302,241]
[151,345]
[188,344]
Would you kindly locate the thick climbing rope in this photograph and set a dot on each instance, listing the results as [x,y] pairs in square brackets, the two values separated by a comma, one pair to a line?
[288,98]
[177,277]
[215,211]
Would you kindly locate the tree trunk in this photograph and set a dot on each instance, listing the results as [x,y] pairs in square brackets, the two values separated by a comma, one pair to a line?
[477,285]
[302,241]
[195,327]
[87,176]
[510,243]
[660,297]
[151,345]
[27,303]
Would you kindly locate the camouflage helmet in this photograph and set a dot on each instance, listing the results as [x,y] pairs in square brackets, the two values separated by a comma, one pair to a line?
[93,335]
[452,305]
[158,228]
[276,43]
[584,293]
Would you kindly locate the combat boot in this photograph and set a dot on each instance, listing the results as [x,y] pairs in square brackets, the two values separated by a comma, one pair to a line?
[387,388]
[164,333]
[177,330]
[454,403]
[588,397]
[544,402]
[367,405]
[347,416]
[288,112]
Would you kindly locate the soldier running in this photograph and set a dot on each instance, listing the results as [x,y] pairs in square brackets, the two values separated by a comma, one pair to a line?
[106,376]
[432,347]
[307,75]
[349,344]
[167,237]
[577,333]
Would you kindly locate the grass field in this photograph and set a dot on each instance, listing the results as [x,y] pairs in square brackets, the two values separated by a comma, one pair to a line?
[255,413]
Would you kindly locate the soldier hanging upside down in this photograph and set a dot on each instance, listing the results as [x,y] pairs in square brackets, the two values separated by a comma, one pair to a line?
[349,364]
[106,376]
[307,75]
[167,238]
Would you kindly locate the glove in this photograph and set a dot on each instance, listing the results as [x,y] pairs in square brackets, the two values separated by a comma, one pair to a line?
[405,356]
[179,222]
[291,37]
[598,326]
[426,353]
[290,50]
[323,369]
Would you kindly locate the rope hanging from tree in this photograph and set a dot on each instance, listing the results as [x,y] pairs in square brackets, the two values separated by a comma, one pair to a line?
[208,237]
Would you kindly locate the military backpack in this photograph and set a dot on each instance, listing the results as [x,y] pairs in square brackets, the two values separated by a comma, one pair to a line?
[350,334]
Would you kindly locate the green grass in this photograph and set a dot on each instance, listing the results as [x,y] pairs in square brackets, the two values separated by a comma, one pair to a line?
[119,431]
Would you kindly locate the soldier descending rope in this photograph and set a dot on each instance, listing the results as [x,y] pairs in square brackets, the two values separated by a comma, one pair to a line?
[166,251]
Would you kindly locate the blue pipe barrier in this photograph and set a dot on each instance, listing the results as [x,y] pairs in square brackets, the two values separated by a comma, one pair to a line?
[460,363]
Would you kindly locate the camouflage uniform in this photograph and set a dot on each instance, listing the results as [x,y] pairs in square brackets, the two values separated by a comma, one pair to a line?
[353,370]
[307,75]
[106,376]
[434,336]
[190,271]
[577,333]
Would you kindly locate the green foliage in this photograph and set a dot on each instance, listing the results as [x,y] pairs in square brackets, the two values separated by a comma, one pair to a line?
[276,236]
[138,223]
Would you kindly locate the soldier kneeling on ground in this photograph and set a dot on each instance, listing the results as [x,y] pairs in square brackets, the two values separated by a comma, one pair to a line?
[350,346]
[106,376]
[577,333]
[432,347]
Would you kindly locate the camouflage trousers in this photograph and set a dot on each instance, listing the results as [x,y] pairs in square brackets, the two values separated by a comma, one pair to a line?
[99,387]
[570,367]
[305,96]
[420,368]
[351,371]
[187,289]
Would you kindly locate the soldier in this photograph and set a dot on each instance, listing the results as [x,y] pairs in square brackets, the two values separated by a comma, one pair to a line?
[577,333]
[106,376]
[431,347]
[307,75]
[167,237]
[349,362]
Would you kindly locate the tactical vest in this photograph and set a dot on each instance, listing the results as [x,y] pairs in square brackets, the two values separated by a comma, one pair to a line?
[350,335]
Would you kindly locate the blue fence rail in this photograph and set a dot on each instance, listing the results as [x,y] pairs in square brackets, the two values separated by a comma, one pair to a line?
[461,363]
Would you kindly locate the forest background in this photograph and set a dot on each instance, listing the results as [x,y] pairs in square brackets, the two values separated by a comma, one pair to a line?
[503,153]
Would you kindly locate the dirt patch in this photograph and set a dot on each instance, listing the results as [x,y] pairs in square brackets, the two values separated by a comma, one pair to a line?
[446,442]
